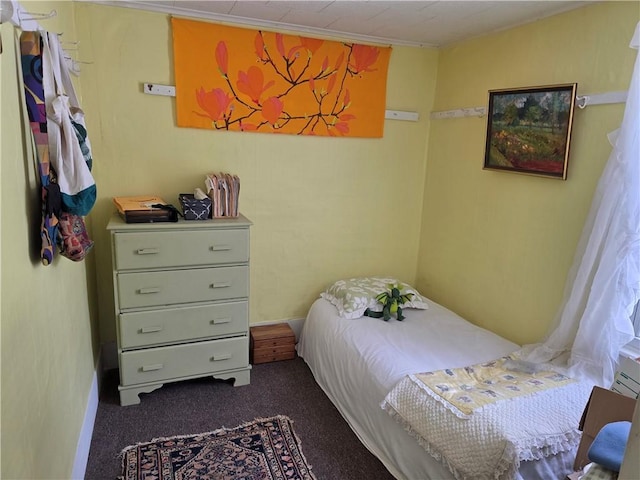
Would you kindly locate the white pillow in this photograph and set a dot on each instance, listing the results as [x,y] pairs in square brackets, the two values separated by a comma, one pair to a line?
[354,295]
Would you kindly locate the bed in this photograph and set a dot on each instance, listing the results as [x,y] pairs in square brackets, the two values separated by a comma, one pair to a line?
[359,361]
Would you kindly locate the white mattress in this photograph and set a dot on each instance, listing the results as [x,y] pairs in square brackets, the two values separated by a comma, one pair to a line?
[357,362]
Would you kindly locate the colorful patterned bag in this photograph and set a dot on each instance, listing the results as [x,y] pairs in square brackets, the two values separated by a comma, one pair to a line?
[31,56]
[64,229]
[73,241]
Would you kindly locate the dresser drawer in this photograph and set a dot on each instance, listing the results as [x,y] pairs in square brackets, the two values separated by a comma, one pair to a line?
[139,329]
[172,362]
[170,287]
[140,250]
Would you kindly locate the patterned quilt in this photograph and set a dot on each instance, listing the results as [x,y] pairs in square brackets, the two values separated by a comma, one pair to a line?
[479,427]
[466,389]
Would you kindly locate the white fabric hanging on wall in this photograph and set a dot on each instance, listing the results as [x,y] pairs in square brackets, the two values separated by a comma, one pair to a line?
[604,283]
[71,164]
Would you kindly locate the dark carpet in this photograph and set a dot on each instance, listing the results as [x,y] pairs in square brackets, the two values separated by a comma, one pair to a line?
[280,388]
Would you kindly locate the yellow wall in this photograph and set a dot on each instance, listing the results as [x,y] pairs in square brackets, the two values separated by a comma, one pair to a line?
[322,208]
[496,247]
[47,356]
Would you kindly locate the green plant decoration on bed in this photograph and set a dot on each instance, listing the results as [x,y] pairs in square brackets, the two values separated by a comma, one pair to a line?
[391,303]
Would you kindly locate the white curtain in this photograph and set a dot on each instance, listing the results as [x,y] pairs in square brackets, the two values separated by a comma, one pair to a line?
[603,285]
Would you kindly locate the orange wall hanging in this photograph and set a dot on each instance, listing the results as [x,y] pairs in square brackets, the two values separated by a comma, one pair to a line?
[230,78]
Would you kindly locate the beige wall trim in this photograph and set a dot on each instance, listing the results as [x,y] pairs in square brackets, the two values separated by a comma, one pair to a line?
[84,441]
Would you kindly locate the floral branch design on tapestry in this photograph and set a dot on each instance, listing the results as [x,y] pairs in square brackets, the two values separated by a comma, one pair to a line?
[268,108]
[290,84]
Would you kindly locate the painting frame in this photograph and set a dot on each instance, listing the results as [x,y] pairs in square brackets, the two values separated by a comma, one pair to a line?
[529,130]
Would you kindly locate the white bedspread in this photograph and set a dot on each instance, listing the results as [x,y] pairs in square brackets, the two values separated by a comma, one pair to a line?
[358,362]
[492,441]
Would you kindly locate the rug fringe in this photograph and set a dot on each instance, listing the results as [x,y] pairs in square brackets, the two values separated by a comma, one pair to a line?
[222,429]
[299,444]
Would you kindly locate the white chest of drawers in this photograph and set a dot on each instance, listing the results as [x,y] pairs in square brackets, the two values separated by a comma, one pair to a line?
[181,293]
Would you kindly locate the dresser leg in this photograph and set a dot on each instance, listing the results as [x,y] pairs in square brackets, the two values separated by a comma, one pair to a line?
[130,395]
[241,377]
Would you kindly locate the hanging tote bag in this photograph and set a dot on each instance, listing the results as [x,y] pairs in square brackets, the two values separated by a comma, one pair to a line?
[73,239]
[69,147]
[33,103]
[70,152]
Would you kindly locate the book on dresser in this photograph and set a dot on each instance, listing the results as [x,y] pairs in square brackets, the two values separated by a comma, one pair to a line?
[181,295]
[145,209]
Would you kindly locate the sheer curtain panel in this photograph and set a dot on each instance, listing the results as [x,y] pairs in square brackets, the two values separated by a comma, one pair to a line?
[603,286]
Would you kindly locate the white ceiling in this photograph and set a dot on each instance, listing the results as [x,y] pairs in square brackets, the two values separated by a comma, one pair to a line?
[399,22]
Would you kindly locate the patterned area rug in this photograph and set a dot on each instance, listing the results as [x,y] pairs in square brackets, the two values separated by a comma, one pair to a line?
[265,449]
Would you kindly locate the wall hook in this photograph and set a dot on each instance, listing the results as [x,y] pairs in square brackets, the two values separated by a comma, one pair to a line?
[71,45]
[26,21]
[582,101]
[77,61]
[41,16]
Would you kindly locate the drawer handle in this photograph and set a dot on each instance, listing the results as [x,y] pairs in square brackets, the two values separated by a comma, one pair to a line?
[151,329]
[151,368]
[220,285]
[220,321]
[147,251]
[220,248]
[144,291]
[224,356]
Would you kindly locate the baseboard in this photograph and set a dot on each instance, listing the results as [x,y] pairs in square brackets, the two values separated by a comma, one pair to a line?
[296,325]
[109,360]
[86,432]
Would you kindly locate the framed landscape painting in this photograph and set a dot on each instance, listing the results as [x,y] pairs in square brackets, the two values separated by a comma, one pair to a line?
[529,130]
